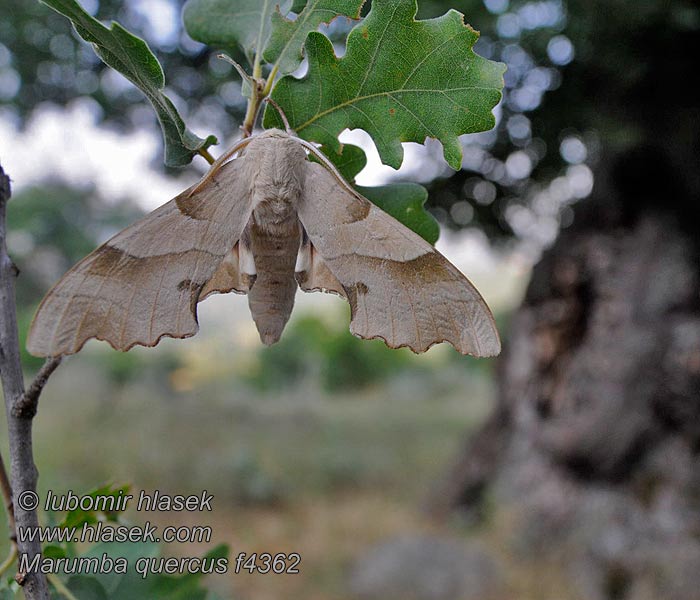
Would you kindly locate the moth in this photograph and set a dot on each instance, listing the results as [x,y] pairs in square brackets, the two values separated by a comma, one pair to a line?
[263,224]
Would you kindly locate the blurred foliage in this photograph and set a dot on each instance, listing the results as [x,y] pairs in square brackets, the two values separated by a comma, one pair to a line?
[42,59]
[253,483]
[586,81]
[292,469]
[130,56]
[588,84]
[311,347]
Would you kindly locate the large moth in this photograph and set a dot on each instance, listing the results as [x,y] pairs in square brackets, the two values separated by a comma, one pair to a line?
[262,224]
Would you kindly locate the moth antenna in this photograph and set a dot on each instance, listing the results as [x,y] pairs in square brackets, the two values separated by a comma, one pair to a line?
[219,162]
[325,161]
[278,108]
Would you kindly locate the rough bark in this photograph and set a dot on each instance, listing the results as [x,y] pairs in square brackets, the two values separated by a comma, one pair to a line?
[593,451]
[23,472]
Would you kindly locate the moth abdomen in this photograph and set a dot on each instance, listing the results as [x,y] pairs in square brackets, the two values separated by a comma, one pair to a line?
[274,248]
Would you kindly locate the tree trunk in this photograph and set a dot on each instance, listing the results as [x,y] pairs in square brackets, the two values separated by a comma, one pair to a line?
[593,449]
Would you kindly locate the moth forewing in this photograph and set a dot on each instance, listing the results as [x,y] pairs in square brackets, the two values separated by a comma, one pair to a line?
[400,288]
[261,224]
[144,283]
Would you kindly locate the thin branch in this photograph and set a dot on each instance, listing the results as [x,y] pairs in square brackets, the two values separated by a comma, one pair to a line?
[256,96]
[27,405]
[19,429]
[6,489]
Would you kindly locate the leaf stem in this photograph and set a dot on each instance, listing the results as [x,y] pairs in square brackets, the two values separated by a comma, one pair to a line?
[257,67]
[9,561]
[270,81]
[239,68]
[60,587]
[205,154]
[260,89]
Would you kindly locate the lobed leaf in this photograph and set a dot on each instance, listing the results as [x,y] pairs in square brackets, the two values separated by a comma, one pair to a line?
[87,588]
[131,56]
[231,23]
[288,36]
[401,80]
[79,517]
[349,162]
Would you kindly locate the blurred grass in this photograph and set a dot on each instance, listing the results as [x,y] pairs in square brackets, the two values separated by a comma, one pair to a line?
[235,440]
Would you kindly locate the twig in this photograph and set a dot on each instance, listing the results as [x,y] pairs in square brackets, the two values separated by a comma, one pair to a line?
[6,489]
[256,97]
[26,406]
[22,469]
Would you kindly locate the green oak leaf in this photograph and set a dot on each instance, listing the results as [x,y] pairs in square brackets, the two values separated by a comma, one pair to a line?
[287,38]
[401,80]
[131,56]
[403,201]
[79,517]
[350,161]
[230,23]
[406,203]
[52,551]
[86,588]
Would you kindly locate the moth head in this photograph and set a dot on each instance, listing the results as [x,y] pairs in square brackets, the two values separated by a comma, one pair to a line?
[272,133]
